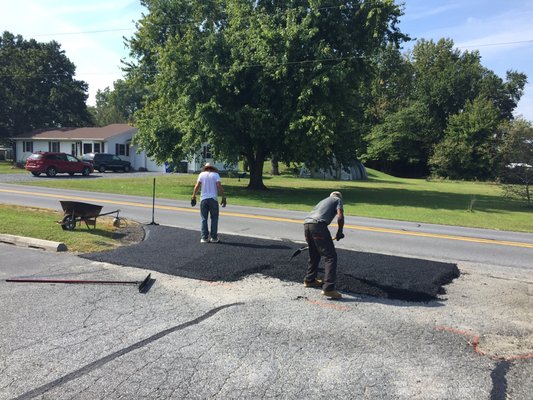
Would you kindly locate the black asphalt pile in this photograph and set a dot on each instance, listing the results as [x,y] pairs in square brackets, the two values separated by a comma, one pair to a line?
[179,252]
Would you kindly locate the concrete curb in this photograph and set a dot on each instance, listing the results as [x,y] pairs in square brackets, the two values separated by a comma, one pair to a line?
[47,245]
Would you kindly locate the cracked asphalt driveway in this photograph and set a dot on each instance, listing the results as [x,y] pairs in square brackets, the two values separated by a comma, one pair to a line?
[257,336]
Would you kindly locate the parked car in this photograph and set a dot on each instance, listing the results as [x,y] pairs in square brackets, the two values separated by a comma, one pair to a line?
[51,164]
[103,162]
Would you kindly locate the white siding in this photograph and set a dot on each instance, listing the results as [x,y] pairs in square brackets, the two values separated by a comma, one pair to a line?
[138,160]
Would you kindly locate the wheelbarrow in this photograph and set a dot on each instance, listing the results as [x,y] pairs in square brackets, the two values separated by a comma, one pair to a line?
[76,211]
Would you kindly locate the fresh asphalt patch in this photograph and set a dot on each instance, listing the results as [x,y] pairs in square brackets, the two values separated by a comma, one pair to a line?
[179,252]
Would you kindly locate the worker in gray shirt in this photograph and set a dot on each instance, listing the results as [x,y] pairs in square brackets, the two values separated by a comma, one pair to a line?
[320,243]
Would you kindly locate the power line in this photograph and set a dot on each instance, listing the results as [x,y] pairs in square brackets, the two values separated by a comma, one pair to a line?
[273,64]
[285,11]
[495,44]
[82,32]
[195,23]
[166,25]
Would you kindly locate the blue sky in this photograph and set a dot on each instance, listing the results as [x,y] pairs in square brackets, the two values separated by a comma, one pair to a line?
[91,31]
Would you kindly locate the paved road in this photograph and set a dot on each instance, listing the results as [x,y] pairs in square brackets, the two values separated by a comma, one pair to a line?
[427,241]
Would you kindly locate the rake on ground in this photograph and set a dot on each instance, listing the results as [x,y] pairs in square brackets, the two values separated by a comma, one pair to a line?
[143,286]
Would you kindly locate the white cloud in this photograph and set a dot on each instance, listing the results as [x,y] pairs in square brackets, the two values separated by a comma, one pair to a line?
[96,55]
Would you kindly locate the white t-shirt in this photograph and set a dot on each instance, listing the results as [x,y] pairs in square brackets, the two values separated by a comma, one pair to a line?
[209,180]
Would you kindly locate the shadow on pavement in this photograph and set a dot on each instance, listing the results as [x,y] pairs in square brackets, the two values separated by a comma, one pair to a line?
[179,252]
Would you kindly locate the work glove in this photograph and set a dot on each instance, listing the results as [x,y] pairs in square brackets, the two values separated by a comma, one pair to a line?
[223,202]
[339,235]
[193,201]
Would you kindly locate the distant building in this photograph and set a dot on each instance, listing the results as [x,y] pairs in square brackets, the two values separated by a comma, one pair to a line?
[6,153]
[114,139]
[356,171]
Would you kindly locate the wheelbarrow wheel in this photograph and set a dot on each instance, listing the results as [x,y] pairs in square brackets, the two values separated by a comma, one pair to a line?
[69,223]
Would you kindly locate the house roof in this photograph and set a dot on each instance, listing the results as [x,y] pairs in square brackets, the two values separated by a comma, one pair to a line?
[93,133]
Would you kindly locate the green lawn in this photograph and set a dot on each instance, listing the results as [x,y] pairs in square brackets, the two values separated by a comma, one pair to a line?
[42,224]
[8,168]
[469,204]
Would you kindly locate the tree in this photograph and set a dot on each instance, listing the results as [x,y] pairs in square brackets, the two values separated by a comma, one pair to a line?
[516,170]
[392,85]
[469,149]
[258,77]
[118,105]
[37,87]
[445,78]
[504,95]
[403,141]
[413,125]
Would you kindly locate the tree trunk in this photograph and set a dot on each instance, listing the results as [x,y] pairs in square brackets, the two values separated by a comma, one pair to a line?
[256,172]
[274,166]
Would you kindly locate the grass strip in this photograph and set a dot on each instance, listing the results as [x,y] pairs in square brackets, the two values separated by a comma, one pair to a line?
[469,204]
[42,224]
[7,167]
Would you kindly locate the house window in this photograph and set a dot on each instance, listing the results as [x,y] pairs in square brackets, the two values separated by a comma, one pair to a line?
[73,149]
[27,146]
[206,152]
[87,148]
[97,148]
[122,150]
[53,147]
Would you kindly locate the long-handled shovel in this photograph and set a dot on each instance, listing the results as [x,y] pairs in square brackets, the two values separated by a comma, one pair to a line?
[304,248]
[143,286]
[299,251]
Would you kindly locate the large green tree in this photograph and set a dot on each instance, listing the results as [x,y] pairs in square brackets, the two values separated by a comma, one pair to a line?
[445,78]
[443,81]
[516,169]
[118,105]
[256,78]
[469,149]
[37,87]
[403,140]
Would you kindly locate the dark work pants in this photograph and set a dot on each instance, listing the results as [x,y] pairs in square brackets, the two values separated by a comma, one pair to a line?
[320,244]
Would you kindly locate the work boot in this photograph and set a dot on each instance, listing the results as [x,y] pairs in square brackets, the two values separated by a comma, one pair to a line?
[314,283]
[332,294]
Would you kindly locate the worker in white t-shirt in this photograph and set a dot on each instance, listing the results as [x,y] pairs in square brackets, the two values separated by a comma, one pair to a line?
[209,182]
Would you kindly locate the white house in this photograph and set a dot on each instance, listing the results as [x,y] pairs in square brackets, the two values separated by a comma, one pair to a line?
[356,171]
[114,139]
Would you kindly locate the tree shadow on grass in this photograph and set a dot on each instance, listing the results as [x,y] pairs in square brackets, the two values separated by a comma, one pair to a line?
[392,197]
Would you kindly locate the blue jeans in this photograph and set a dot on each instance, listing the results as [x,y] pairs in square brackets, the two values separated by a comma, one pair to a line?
[209,207]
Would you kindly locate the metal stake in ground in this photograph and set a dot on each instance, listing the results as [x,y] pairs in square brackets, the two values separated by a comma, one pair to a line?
[153,204]
[144,285]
